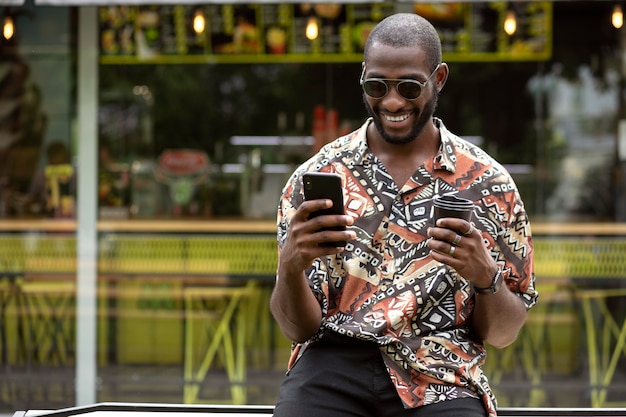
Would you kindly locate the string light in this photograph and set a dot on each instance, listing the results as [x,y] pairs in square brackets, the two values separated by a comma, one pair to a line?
[199,23]
[8,28]
[617,17]
[311,28]
[510,23]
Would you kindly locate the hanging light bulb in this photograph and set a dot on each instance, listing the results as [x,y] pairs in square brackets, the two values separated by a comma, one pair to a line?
[617,17]
[8,29]
[199,23]
[510,23]
[311,28]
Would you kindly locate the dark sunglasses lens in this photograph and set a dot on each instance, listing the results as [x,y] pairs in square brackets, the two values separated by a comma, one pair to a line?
[409,90]
[375,88]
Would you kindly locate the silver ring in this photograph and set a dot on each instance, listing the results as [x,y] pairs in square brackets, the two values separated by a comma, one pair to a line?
[457,240]
[470,231]
[452,249]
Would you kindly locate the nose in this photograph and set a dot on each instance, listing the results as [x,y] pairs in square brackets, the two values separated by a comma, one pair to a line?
[393,100]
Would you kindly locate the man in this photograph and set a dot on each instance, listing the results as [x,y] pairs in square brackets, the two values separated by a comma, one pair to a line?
[393,323]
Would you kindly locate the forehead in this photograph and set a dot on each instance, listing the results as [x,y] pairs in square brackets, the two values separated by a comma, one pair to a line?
[394,62]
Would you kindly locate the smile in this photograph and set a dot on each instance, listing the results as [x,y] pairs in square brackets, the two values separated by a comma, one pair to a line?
[397,118]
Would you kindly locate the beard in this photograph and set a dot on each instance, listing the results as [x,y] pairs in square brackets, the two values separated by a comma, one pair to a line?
[425,116]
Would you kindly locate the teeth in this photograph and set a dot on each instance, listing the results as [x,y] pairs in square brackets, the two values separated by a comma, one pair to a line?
[396,118]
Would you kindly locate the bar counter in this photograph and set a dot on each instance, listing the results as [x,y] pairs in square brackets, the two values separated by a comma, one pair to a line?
[265,226]
[213,225]
[157,276]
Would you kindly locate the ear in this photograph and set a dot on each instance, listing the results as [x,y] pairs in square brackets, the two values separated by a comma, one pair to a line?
[442,76]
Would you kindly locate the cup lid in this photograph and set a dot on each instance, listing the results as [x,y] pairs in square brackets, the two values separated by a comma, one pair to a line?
[453,202]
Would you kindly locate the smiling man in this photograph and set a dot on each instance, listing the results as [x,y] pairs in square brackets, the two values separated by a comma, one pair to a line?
[394,323]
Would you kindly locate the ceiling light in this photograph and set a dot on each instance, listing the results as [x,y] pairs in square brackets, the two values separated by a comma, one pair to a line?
[510,23]
[199,23]
[617,17]
[311,28]
[8,28]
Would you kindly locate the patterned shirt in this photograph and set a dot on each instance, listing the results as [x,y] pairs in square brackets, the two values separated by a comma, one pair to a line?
[386,288]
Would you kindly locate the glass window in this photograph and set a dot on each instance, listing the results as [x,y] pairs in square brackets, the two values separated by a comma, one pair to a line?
[192,156]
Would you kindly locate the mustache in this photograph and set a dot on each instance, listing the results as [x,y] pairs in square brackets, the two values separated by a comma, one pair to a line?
[426,114]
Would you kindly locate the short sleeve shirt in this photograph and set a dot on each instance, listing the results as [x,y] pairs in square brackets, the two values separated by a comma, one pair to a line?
[386,288]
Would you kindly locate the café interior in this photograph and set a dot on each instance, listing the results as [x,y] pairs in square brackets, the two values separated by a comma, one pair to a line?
[144,146]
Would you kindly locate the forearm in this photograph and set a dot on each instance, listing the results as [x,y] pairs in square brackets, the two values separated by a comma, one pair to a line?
[293,304]
[498,318]
[295,307]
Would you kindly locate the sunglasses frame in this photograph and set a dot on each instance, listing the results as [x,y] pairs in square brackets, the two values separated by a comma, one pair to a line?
[396,82]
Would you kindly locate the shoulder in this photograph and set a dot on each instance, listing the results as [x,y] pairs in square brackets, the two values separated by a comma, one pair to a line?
[469,156]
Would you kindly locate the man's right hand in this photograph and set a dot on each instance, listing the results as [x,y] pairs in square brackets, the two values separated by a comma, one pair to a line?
[293,304]
[306,238]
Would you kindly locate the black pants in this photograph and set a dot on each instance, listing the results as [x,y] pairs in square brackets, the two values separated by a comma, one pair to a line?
[343,377]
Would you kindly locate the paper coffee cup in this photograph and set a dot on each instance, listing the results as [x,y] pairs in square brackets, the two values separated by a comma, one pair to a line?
[452,206]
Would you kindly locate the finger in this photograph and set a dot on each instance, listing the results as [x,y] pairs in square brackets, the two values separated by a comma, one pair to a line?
[441,246]
[334,237]
[311,206]
[445,234]
[458,225]
[444,256]
[335,222]
[469,231]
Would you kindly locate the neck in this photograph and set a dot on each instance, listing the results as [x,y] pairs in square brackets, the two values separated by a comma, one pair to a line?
[402,160]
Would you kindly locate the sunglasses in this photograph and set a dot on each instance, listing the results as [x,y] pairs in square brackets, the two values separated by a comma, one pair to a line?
[378,87]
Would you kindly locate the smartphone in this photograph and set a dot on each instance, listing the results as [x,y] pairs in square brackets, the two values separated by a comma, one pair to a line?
[327,185]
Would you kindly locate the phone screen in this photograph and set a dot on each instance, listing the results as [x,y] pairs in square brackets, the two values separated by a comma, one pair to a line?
[319,185]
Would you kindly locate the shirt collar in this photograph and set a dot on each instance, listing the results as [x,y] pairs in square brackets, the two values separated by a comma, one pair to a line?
[362,154]
[445,158]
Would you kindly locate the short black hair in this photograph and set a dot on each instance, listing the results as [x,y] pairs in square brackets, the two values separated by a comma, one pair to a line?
[404,30]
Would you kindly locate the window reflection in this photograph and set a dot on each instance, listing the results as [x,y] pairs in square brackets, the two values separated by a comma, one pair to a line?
[552,123]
